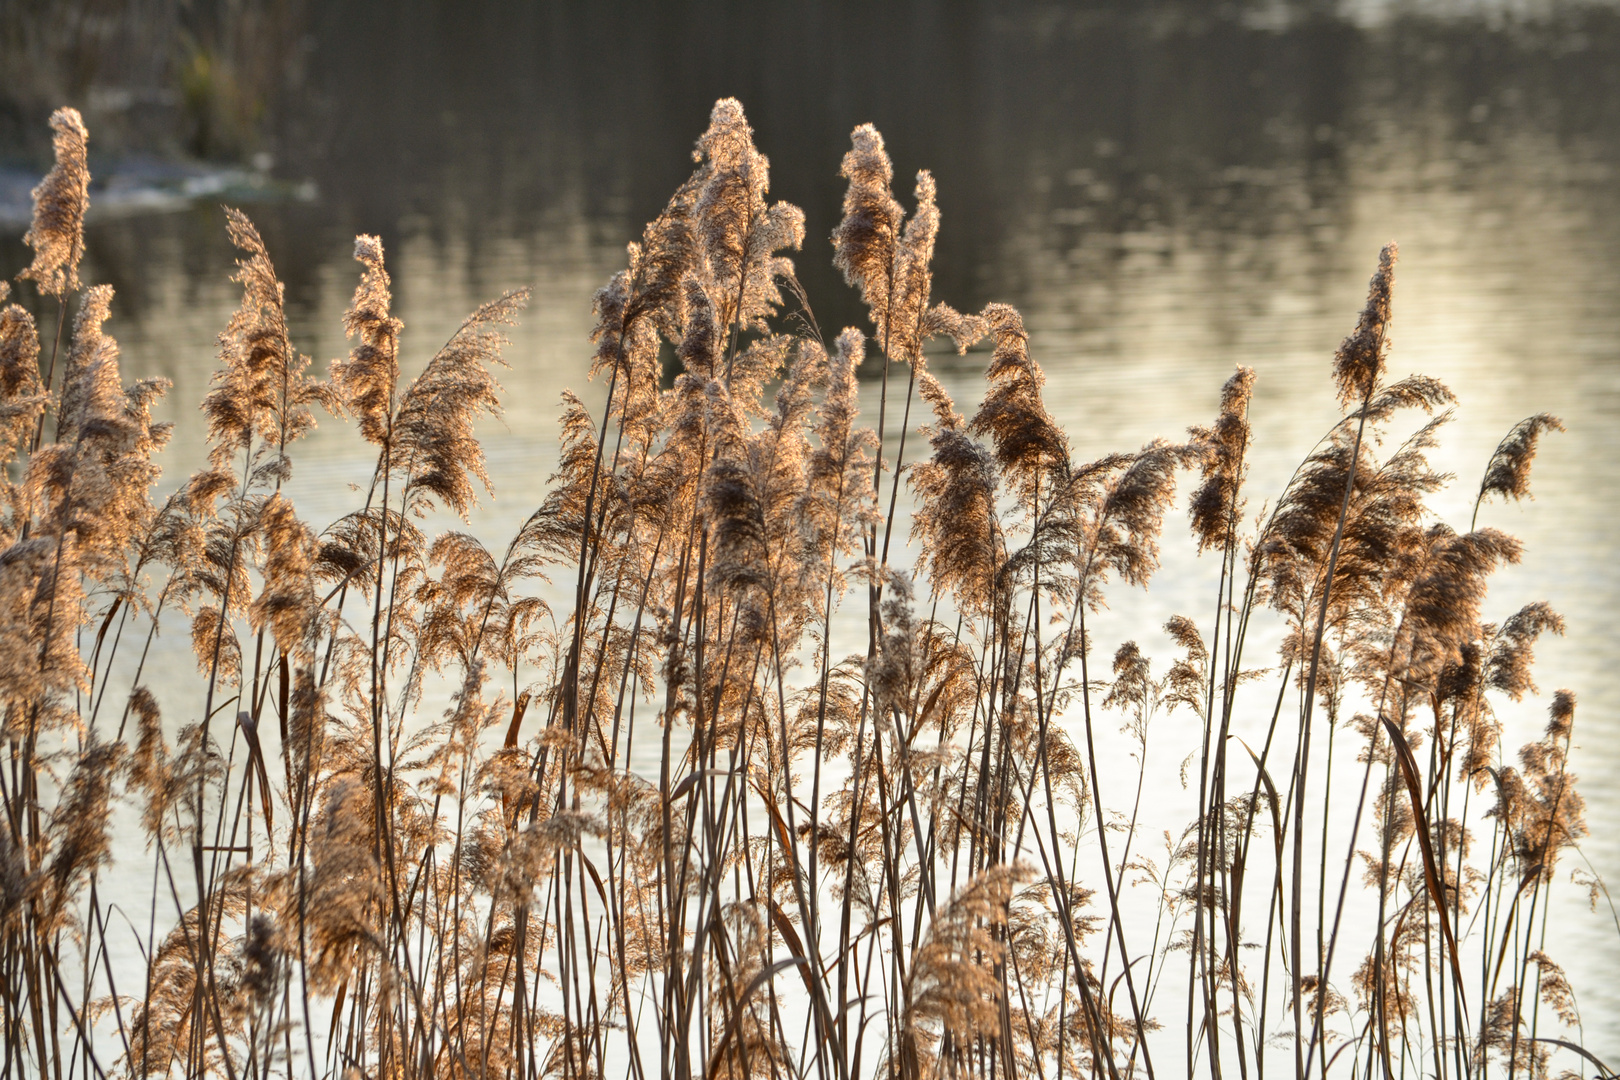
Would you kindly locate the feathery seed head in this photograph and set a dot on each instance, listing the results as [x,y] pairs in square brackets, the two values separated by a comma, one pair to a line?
[891,673]
[78,835]
[837,496]
[939,400]
[433,431]
[913,274]
[150,770]
[1508,472]
[1132,513]
[952,991]
[1217,505]
[1442,609]
[864,241]
[965,331]
[1561,714]
[367,379]
[1131,686]
[700,346]
[1413,392]
[956,519]
[287,604]
[96,479]
[260,387]
[22,396]
[1029,445]
[1359,362]
[1513,654]
[90,385]
[60,200]
[738,231]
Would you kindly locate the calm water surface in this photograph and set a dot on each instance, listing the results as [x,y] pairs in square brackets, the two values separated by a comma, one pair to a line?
[1165,192]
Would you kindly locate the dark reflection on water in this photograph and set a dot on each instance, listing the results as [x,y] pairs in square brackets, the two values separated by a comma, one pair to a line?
[1165,189]
[1046,124]
[494,119]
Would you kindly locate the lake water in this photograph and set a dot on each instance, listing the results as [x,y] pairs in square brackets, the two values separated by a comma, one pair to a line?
[1164,190]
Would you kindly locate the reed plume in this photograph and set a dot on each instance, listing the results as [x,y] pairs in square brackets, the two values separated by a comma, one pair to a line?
[1508,472]
[864,242]
[367,379]
[22,399]
[1358,365]
[60,201]
[1217,504]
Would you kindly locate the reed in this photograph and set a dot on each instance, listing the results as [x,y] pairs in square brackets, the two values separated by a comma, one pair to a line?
[673,830]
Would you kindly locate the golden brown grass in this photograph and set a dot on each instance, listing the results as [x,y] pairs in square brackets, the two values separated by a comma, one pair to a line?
[899,862]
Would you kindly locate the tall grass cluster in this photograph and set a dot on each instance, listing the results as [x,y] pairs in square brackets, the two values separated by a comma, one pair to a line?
[669,829]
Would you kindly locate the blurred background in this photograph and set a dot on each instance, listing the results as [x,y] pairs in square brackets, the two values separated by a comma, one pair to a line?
[1164,188]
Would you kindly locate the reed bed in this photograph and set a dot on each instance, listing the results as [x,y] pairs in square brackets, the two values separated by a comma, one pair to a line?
[668,829]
